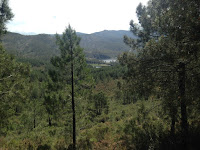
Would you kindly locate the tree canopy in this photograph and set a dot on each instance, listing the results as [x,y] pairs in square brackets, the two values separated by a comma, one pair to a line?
[167,58]
[5,15]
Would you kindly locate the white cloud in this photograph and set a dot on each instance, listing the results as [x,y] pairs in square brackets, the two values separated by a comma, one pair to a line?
[51,16]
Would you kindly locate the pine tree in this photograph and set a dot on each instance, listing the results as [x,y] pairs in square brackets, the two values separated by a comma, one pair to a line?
[13,75]
[72,68]
[13,86]
[5,15]
[168,54]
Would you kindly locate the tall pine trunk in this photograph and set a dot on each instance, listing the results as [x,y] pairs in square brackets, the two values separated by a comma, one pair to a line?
[173,122]
[73,103]
[34,121]
[184,123]
[49,121]
[173,126]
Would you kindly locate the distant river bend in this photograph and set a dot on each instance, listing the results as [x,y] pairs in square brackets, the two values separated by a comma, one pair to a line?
[110,60]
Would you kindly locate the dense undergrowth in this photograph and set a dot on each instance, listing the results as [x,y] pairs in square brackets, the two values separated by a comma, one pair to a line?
[139,125]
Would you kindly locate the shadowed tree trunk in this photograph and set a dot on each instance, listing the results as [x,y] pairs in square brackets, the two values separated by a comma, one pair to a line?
[73,103]
[184,123]
[173,126]
[34,119]
[49,121]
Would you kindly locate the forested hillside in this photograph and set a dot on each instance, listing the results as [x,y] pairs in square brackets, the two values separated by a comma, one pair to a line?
[147,100]
[100,45]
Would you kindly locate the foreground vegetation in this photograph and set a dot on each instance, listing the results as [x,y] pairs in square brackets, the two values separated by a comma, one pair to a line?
[149,100]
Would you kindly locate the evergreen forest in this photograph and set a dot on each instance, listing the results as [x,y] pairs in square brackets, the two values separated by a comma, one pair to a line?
[69,99]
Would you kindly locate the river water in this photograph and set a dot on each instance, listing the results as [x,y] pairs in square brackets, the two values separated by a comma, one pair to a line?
[110,60]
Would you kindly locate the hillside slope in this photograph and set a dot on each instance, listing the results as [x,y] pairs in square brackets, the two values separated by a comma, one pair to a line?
[98,45]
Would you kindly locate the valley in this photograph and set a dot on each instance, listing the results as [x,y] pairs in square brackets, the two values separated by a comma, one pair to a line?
[97,46]
[108,90]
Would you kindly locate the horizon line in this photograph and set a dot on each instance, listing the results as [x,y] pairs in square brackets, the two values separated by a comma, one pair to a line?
[33,33]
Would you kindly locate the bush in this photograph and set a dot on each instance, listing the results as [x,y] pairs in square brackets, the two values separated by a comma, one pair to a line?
[143,132]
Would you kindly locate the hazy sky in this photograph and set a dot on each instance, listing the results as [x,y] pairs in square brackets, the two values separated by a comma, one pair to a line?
[87,16]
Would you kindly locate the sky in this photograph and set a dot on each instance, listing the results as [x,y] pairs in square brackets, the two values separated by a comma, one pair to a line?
[86,16]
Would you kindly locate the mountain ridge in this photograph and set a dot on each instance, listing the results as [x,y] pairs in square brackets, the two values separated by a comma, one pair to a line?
[99,45]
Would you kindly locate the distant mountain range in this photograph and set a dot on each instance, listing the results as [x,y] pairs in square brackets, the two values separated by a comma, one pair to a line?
[99,45]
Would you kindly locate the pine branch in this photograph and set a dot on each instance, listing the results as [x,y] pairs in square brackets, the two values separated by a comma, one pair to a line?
[6,77]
